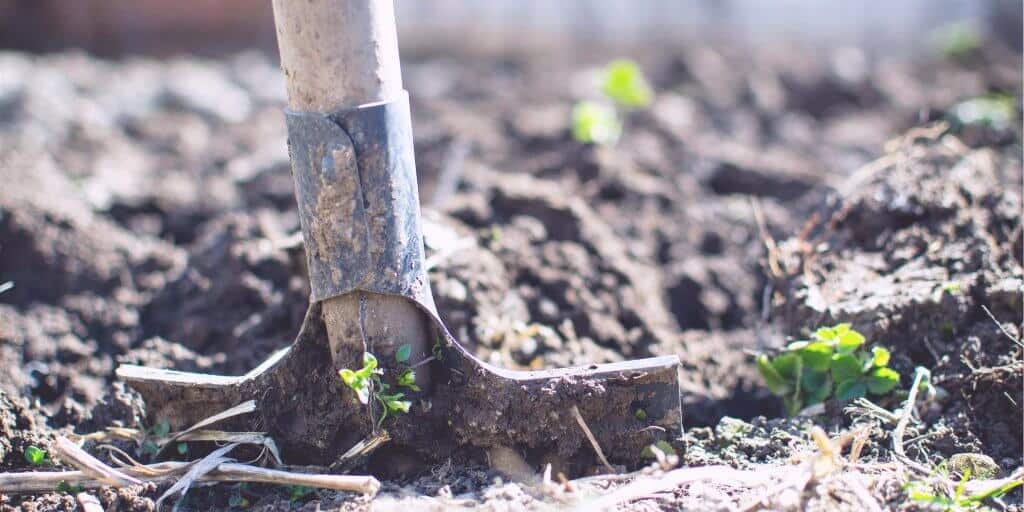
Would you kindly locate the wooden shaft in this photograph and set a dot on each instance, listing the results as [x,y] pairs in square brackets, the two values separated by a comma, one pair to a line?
[337,53]
[340,54]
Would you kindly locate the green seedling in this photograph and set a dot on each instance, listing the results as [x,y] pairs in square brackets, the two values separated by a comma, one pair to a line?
[182,448]
[996,110]
[408,379]
[625,84]
[403,353]
[951,287]
[624,88]
[35,456]
[595,123]
[925,494]
[238,501]
[158,431]
[832,363]
[297,493]
[366,382]
[640,414]
[66,488]
[361,380]
[957,41]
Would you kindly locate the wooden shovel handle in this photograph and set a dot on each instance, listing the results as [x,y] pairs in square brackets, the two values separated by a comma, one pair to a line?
[337,53]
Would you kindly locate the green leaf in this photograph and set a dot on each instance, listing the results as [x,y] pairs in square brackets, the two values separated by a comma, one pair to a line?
[851,389]
[35,456]
[363,394]
[162,429]
[408,379]
[775,382]
[297,492]
[817,355]
[149,447]
[625,84]
[825,334]
[846,367]
[182,448]
[849,341]
[349,377]
[640,414]
[816,386]
[882,381]
[67,488]
[880,357]
[403,353]
[238,501]
[820,393]
[786,365]
[662,445]
[595,123]
[369,365]
[398,406]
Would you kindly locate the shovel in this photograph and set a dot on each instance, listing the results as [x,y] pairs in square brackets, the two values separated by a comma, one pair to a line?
[351,148]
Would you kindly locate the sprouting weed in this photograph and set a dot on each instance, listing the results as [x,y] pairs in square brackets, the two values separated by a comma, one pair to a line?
[367,382]
[35,455]
[833,362]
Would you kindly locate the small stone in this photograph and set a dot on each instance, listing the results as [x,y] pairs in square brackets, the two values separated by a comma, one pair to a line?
[979,465]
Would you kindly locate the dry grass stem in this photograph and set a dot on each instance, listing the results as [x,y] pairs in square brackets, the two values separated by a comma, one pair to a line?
[592,439]
[70,453]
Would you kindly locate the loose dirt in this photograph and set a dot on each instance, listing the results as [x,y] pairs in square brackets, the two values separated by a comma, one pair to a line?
[147,216]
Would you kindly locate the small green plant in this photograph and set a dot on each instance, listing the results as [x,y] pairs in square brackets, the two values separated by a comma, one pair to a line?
[832,361]
[625,84]
[238,501]
[995,110]
[925,494]
[158,431]
[367,382]
[957,41]
[35,455]
[624,88]
[297,493]
[595,123]
[66,488]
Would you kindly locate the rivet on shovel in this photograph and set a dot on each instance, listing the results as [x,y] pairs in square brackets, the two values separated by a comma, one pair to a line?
[350,141]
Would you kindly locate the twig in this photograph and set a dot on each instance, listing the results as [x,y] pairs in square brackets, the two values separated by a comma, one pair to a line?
[70,453]
[907,412]
[640,488]
[238,410]
[592,439]
[1001,328]
[257,438]
[196,470]
[361,449]
[766,238]
[45,481]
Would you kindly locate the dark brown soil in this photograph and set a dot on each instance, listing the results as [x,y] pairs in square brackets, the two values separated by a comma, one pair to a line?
[147,216]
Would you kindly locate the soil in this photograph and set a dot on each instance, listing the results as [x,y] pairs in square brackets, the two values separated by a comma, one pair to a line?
[147,216]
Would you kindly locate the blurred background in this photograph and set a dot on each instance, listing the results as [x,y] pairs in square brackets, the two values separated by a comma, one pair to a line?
[210,27]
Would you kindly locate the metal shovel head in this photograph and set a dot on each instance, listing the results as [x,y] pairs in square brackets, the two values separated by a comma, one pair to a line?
[358,206]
